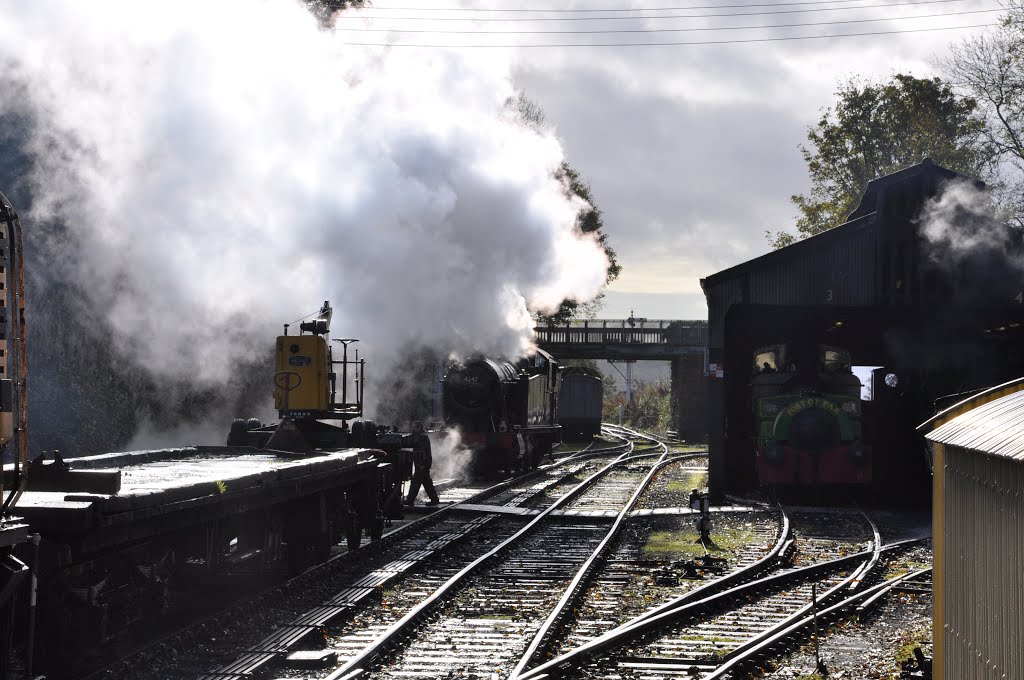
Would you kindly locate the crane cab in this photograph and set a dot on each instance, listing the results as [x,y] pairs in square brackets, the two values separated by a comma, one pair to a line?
[305,376]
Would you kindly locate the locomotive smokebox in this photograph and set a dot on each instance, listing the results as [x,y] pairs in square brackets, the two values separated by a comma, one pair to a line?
[507,413]
[814,428]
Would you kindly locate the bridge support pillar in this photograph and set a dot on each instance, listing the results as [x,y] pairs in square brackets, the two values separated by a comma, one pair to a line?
[689,397]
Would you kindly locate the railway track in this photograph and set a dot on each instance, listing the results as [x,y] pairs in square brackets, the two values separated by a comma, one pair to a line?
[253,623]
[723,629]
[465,622]
[517,594]
[739,620]
[548,575]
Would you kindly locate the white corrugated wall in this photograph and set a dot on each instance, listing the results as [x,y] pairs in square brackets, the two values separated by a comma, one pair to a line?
[983,537]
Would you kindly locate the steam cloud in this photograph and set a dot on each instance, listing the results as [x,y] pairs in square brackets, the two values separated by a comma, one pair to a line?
[225,167]
[960,222]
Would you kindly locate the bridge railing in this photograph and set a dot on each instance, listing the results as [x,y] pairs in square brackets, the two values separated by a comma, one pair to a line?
[625,331]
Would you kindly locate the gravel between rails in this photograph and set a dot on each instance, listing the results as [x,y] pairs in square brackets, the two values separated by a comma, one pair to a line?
[871,646]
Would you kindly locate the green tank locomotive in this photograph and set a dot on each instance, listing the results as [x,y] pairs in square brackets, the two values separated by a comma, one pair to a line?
[807,407]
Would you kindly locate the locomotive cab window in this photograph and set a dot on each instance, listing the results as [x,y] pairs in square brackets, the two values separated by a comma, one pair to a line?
[834,359]
[768,359]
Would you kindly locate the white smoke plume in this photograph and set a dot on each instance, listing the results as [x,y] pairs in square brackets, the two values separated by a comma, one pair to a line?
[451,459]
[224,167]
[960,222]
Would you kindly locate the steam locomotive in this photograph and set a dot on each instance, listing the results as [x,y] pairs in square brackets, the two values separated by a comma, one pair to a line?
[807,405]
[507,413]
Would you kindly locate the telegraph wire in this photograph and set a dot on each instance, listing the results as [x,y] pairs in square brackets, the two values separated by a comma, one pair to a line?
[627,9]
[674,43]
[658,16]
[663,30]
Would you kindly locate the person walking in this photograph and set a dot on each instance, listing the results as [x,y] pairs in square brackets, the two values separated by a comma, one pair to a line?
[422,460]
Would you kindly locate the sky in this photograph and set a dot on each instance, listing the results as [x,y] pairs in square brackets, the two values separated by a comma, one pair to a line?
[376,162]
[691,151]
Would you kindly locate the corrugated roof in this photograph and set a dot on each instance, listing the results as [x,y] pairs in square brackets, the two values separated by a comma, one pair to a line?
[861,218]
[802,248]
[995,428]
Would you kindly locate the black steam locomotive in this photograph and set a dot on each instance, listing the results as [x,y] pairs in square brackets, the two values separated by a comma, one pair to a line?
[507,413]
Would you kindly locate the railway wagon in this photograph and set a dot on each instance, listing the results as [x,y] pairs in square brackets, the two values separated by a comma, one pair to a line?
[130,538]
[580,403]
[507,413]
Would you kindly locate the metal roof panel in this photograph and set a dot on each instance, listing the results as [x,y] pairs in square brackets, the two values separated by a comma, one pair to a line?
[995,428]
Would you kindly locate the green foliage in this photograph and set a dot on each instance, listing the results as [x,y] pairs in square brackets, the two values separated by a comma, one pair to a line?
[651,409]
[324,9]
[876,129]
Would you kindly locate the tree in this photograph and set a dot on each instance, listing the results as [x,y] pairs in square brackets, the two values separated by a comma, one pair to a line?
[990,68]
[877,129]
[651,409]
[324,10]
[588,221]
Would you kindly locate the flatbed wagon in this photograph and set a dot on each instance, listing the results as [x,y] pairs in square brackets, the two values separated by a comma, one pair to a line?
[128,538]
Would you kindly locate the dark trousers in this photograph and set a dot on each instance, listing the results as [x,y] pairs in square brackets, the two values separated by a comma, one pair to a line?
[421,477]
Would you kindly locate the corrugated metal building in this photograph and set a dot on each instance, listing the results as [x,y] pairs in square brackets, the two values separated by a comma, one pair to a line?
[873,286]
[978,529]
[871,260]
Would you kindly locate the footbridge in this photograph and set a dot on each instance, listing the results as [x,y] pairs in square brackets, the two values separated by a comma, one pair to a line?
[683,343]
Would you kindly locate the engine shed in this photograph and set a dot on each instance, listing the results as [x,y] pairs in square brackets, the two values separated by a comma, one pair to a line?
[926,312]
[978,551]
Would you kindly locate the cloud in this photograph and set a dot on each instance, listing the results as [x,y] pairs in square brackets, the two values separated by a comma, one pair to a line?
[693,151]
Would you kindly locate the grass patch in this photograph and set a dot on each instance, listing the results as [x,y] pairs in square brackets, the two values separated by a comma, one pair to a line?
[682,544]
[920,636]
[688,448]
[902,568]
[694,480]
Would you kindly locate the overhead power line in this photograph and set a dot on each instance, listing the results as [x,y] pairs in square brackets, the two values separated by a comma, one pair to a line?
[662,30]
[675,43]
[357,16]
[538,10]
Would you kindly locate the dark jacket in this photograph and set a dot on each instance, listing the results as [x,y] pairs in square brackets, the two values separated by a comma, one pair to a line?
[421,456]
